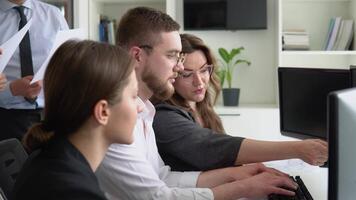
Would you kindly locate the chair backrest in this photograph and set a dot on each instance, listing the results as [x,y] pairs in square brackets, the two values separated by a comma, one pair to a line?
[12,157]
[2,195]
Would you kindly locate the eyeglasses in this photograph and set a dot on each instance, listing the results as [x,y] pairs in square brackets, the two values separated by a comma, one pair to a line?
[205,71]
[178,56]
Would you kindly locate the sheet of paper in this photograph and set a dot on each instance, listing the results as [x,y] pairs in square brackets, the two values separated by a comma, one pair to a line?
[10,46]
[62,36]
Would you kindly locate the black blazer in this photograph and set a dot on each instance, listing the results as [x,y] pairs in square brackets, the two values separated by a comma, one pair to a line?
[58,171]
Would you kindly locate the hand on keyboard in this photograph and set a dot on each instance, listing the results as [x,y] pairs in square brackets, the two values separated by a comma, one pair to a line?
[301,193]
[265,183]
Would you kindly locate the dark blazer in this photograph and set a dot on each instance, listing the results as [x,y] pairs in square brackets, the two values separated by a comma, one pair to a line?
[186,146]
[58,171]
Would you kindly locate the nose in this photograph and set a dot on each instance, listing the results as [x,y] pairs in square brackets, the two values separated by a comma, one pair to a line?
[197,79]
[178,67]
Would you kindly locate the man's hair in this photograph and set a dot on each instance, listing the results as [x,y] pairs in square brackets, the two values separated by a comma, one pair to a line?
[142,25]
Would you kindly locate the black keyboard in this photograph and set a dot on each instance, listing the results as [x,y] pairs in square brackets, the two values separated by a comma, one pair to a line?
[301,193]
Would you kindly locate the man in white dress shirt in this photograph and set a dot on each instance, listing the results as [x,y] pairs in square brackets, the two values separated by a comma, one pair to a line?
[20,103]
[137,171]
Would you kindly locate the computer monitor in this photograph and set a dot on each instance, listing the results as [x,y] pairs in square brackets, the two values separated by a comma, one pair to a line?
[303,99]
[342,138]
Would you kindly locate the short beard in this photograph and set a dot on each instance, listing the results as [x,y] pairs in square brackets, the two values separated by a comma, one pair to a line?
[161,89]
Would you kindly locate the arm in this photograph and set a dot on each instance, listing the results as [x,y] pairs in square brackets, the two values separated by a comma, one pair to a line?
[312,151]
[127,174]
[185,145]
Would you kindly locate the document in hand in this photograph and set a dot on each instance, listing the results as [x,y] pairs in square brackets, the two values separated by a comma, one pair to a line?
[10,46]
[62,36]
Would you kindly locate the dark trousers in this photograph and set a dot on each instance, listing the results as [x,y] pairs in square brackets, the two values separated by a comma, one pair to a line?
[14,123]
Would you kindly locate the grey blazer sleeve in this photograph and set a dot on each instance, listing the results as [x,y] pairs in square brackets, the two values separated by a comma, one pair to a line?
[186,146]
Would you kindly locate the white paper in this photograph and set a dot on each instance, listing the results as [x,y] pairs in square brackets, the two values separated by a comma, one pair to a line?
[10,46]
[62,36]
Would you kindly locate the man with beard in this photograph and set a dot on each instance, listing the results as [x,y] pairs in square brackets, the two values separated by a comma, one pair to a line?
[137,171]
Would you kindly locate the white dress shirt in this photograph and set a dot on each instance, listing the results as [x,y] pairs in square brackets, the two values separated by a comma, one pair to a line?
[137,171]
[47,21]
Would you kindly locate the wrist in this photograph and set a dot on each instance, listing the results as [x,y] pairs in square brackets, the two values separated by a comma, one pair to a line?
[297,147]
[233,190]
[12,90]
[232,173]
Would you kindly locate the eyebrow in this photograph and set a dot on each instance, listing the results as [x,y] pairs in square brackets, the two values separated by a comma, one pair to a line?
[173,51]
[185,69]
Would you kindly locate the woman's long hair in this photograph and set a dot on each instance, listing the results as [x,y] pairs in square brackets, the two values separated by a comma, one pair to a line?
[191,43]
[79,74]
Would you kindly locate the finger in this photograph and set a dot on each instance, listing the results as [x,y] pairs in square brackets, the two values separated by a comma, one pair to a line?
[28,77]
[322,142]
[33,92]
[276,172]
[35,85]
[277,190]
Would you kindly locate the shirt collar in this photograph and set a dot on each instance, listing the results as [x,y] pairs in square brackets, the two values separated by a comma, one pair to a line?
[148,111]
[6,5]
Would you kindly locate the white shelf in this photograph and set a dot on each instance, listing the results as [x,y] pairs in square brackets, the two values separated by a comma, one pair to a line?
[314,17]
[114,9]
[318,52]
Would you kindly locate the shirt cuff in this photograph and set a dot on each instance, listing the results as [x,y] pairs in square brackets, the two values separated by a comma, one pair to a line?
[189,179]
[6,94]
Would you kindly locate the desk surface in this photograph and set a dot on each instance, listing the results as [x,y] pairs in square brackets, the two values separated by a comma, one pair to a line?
[262,123]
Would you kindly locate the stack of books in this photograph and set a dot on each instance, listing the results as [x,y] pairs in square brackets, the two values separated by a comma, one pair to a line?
[340,34]
[107,30]
[295,39]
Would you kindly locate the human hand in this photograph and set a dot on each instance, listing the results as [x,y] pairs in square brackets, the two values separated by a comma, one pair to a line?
[313,151]
[3,81]
[250,170]
[22,87]
[264,184]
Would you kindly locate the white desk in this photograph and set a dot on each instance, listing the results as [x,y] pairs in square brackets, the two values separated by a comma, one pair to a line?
[262,122]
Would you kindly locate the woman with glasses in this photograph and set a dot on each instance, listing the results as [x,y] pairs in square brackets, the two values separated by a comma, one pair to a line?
[190,135]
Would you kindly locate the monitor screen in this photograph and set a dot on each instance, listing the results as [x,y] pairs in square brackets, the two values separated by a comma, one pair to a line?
[224,14]
[303,99]
[341,138]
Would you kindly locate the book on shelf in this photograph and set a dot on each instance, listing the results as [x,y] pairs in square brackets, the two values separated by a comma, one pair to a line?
[346,35]
[107,30]
[295,39]
[330,29]
[340,34]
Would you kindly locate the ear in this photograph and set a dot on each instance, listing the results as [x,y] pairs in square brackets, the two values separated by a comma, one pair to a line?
[102,112]
[136,53]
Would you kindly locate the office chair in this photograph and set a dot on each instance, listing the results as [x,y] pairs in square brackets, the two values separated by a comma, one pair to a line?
[12,157]
[2,195]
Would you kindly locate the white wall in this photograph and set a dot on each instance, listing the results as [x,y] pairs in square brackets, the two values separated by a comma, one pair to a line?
[257,81]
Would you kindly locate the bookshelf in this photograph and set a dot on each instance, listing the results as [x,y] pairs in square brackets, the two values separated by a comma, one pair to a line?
[114,9]
[314,17]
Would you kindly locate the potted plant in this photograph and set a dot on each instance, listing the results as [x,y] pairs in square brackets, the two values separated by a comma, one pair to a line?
[226,71]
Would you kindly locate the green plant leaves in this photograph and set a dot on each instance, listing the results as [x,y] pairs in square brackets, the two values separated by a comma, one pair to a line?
[224,55]
[227,68]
